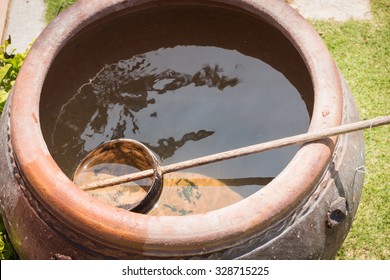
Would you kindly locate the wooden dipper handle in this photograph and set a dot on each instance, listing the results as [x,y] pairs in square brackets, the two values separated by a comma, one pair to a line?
[244,151]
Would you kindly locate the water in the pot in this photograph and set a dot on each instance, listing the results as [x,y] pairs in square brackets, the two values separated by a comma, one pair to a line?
[183,102]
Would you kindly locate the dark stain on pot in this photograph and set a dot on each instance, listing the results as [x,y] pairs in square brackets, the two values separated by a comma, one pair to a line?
[35,118]
[186,82]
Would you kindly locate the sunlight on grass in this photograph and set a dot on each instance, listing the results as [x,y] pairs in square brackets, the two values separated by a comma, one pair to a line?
[362,52]
[54,7]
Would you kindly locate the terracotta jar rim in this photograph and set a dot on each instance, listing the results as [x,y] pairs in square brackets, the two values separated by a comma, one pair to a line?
[166,235]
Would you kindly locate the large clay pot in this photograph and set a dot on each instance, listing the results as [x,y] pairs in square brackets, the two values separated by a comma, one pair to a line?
[304,213]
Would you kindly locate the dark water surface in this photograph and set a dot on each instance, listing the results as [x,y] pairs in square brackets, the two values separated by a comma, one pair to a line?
[184,101]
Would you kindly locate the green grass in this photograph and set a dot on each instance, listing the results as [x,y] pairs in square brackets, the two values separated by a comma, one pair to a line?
[7,252]
[54,7]
[362,52]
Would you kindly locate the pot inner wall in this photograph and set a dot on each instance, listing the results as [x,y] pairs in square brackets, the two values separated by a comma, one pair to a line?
[185,81]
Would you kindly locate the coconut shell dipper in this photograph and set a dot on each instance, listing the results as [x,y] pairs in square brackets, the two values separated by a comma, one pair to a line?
[125,150]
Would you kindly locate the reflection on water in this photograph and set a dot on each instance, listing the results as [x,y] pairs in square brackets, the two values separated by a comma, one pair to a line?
[185,102]
[167,147]
[111,100]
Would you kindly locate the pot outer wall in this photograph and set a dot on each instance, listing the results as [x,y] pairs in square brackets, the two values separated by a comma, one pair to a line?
[315,230]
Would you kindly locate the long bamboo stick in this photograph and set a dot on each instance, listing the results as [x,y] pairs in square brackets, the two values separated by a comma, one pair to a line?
[248,150]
